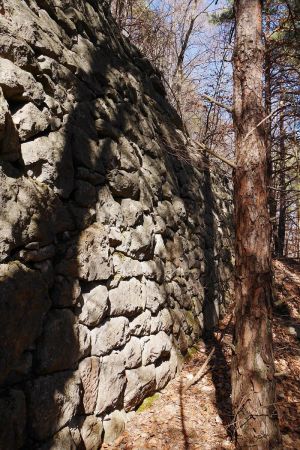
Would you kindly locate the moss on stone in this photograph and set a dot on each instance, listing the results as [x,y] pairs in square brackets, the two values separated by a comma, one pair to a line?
[148,402]
[191,352]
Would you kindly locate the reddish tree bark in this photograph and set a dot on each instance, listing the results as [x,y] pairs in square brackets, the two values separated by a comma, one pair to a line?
[253,382]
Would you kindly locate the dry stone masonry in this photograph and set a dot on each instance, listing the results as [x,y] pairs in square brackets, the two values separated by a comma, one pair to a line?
[114,254]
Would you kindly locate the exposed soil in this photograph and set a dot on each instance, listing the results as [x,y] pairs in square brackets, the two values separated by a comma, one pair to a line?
[201,417]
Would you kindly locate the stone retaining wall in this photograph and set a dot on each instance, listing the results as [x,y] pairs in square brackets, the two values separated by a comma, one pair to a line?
[114,254]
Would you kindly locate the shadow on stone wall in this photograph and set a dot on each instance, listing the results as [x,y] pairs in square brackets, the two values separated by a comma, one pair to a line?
[125,268]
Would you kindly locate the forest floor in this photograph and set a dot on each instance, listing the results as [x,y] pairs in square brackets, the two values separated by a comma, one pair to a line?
[201,417]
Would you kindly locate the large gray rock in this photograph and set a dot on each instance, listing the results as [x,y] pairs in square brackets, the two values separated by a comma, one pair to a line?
[124,184]
[113,334]
[53,402]
[126,267]
[111,383]
[17,84]
[132,211]
[127,298]
[154,295]
[139,242]
[140,384]
[10,148]
[162,322]
[49,158]
[91,432]
[155,347]
[141,325]
[60,327]
[65,292]
[94,307]
[22,311]
[109,211]
[114,425]
[65,439]
[13,420]
[89,369]
[132,353]
[85,194]
[163,374]
[130,157]
[29,121]
[90,255]
[21,225]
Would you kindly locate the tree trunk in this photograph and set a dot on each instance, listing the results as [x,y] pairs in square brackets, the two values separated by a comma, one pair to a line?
[282,193]
[253,382]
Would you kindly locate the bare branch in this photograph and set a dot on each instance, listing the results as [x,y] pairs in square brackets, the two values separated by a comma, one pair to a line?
[216,102]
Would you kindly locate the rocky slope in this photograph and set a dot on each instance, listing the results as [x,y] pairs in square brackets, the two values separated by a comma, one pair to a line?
[114,254]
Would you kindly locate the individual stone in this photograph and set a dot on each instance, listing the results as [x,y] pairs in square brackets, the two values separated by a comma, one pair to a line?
[154,295]
[19,224]
[29,121]
[163,374]
[179,207]
[83,217]
[65,292]
[85,194]
[21,371]
[132,211]
[92,433]
[162,322]
[138,243]
[22,311]
[127,298]
[89,369]
[53,401]
[94,307]
[90,258]
[92,177]
[132,353]
[111,383]
[115,237]
[166,211]
[156,346]
[50,160]
[38,255]
[124,184]
[142,240]
[90,157]
[113,334]
[140,384]
[141,325]
[10,148]
[13,419]
[109,211]
[160,249]
[114,425]
[17,51]
[129,159]
[17,84]
[105,129]
[64,439]
[60,327]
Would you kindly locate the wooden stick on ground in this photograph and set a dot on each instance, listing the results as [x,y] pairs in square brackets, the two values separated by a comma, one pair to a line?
[200,372]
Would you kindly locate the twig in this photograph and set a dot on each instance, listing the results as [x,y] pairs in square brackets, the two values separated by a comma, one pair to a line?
[264,119]
[201,372]
[216,155]
[216,102]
